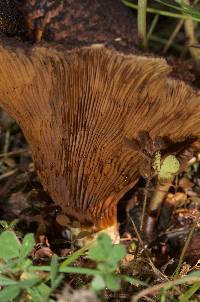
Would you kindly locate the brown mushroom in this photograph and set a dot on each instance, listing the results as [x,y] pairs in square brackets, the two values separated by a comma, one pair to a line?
[77,107]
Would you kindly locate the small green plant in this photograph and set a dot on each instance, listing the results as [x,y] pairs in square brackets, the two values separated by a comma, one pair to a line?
[22,281]
[167,169]
[107,257]
[17,275]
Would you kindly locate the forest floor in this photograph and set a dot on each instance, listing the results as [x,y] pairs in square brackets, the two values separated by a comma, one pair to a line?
[170,254]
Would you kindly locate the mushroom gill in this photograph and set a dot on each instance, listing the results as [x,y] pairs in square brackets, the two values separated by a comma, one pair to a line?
[77,107]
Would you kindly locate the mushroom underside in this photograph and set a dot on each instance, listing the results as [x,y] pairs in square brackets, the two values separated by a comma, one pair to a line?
[77,107]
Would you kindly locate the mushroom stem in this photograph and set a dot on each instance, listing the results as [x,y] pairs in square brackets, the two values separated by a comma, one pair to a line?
[83,236]
[157,199]
[38,35]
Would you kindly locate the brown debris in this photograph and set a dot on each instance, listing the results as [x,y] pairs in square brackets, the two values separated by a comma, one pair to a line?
[182,69]
[63,21]
[11,20]
[42,249]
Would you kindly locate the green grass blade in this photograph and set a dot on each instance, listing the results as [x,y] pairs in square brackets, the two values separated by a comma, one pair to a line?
[142,22]
[152,10]
[190,292]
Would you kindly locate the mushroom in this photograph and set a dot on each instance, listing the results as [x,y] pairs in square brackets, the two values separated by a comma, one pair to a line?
[76,108]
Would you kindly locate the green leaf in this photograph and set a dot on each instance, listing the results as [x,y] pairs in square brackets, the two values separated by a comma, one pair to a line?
[96,254]
[107,267]
[105,241]
[118,252]
[9,245]
[44,290]
[27,245]
[9,293]
[102,249]
[7,267]
[58,281]
[54,269]
[112,282]
[35,295]
[98,283]
[133,281]
[190,292]
[76,255]
[24,284]
[195,274]
[26,263]
[40,293]
[6,281]
[169,168]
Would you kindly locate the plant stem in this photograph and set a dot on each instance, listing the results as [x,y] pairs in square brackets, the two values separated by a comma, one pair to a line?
[19,151]
[155,270]
[164,41]
[153,25]
[182,256]
[142,22]
[161,12]
[159,195]
[144,204]
[75,255]
[154,207]
[165,286]
[89,272]
[192,39]
[173,36]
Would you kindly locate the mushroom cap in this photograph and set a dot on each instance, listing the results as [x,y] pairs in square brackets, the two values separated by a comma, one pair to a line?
[77,107]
